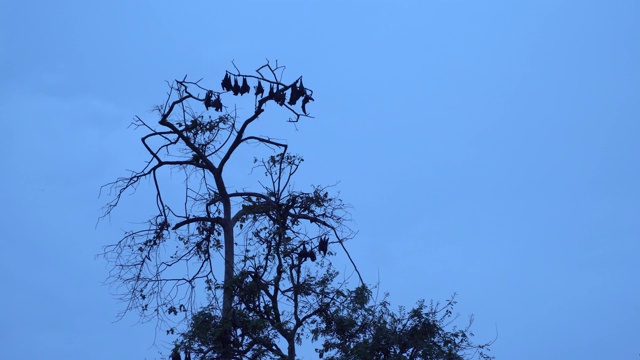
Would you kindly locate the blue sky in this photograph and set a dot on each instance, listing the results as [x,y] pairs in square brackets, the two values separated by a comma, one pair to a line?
[487,148]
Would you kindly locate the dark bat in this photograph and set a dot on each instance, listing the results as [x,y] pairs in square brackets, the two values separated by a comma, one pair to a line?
[226,83]
[295,94]
[217,104]
[207,99]
[323,245]
[244,89]
[271,92]
[303,254]
[236,86]
[280,97]
[312,255]
[259,89]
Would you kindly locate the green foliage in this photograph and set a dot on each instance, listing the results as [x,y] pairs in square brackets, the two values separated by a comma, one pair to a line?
[352,326]
[362,329]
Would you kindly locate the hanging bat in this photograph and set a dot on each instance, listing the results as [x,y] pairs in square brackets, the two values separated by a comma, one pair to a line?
[244,89]
[323,245]
[217,104]
[236,86]
[207,99]
[259,89]
[295,94]
[280,97]
[226,83]
[303,254]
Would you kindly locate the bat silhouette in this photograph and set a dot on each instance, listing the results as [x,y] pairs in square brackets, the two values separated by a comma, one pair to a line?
[295,94]
[280,97]
[207,99]
[226,83]
[244,89]
[303,254]
[259,89]
[323,245]
[216,104]
[236,86]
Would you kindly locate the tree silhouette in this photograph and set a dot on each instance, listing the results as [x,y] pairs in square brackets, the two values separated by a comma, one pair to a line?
[272,243]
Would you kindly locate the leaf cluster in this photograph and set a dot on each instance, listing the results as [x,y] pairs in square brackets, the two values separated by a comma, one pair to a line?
[360,328]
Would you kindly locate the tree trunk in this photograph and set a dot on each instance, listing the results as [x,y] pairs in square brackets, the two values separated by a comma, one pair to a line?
[227,292]
[291,349]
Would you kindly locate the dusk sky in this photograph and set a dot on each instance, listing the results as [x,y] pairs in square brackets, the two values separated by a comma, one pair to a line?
[487,148]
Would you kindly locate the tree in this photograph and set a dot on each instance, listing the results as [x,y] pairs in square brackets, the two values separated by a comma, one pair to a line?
[273,245]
